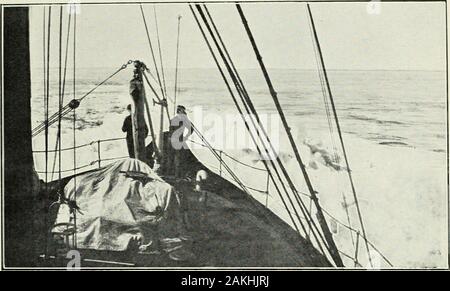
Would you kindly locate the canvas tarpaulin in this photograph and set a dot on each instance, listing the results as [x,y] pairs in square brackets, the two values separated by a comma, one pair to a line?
[124,200]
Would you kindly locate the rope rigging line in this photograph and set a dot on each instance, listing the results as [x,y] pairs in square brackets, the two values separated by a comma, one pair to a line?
[45,73]
[74,124]
[241,90]
[248,103]
[62,90]
[156,95]
[176,67]
[152,51]
[247,126]
[160,52]
[355,197]
[151,87]
[324,94]
[213,151]
[74,103]
[325,99]
[46,106]
[46,86]
[240,111]
[58,139]
[329,118]
[357,231]
[233,74]
[326,231]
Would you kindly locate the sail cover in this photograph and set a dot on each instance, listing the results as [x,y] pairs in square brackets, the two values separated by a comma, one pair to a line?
[120,202]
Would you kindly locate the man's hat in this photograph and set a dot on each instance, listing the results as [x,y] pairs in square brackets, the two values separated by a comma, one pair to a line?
[181,107]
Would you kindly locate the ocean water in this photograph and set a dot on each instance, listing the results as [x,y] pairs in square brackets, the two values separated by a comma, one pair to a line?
[394,128]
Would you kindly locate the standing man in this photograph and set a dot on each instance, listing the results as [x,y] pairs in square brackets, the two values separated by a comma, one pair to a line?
[128,128]
[178,125]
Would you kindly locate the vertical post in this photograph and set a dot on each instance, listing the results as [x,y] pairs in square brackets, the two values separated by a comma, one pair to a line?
[98,154]
[138,118]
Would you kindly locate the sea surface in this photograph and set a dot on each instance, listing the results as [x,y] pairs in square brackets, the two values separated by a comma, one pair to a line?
[393,124]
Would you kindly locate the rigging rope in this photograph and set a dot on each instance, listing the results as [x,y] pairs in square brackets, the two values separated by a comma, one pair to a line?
[46,125]
[246,100]
[325,98]
[213,151]
[45,72]
[240,111]
[152,51]
[362,236]
[248,104]
[329,118]
[233,74]
[156,95]
[74,124]
[160,52]
[176,67]
[62,91]
[74,103]
[46,105]
[355,197]
[58,139]
[329,237]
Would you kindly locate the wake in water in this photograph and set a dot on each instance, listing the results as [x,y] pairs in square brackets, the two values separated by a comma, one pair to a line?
[321,155]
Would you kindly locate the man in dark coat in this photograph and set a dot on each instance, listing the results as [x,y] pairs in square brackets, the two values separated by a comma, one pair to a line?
[128,128]
[178,137]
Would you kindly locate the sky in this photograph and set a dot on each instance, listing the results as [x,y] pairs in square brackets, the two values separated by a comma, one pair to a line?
[402,36]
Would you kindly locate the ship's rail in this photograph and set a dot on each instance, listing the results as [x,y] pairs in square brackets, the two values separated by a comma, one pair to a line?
[92,163]
[357,237]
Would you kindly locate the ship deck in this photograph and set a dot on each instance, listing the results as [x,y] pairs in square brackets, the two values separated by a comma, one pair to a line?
[231,230]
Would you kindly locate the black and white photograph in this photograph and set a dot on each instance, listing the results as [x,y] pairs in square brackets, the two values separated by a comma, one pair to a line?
[224,135]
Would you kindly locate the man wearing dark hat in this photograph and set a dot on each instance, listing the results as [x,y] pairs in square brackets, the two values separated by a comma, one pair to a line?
[128,128]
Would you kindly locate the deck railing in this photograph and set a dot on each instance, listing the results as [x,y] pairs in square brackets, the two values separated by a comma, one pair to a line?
[100,161]
[97,161]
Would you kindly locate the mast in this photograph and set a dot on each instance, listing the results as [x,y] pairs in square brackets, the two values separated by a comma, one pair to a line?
[334,252]
[137,93]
